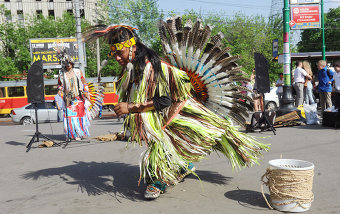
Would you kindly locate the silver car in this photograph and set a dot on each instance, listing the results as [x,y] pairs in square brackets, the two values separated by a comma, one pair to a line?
[271,99]
[47,112]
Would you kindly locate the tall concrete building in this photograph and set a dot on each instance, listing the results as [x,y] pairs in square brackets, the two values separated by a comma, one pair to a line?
[21,10]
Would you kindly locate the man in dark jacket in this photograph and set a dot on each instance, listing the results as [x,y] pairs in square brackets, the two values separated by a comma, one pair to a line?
[325,77]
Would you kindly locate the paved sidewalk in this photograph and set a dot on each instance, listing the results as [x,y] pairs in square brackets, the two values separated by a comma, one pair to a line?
[101,177]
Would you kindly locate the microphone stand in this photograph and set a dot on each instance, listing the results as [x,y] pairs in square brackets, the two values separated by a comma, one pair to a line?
[68,138]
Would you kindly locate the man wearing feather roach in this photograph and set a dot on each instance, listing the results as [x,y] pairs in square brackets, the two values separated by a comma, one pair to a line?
[82,100]
[178,122]
[73,83]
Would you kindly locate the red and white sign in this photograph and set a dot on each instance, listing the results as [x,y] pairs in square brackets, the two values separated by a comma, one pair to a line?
[305,16]
[291,23]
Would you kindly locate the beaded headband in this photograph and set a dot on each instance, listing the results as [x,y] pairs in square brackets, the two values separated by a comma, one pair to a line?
[119,46]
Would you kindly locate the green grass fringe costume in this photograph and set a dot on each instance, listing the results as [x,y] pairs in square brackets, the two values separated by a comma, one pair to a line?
[185,132]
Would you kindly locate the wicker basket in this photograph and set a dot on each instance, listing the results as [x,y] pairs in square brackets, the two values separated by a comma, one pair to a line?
[291,165]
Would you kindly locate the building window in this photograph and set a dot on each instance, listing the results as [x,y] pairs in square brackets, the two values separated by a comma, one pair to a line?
[50,0]
[68,0]
[20,14]
[51,13]
[82,13]
[8,15]
[70,12]
[39,13]
[37,0]
[7,0]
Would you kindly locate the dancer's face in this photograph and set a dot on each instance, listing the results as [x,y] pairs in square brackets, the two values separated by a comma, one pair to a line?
[122,56]
[68,66]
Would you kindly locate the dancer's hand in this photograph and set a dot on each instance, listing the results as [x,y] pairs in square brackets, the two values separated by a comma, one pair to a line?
[121,108]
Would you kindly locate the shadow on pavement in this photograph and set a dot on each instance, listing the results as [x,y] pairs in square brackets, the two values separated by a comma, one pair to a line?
[114,178]
[248,198]
[315,127]
[60,137]
[211,177]
[14,143]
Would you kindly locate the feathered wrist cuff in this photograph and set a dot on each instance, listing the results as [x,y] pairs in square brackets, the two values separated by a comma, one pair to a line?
[140,107]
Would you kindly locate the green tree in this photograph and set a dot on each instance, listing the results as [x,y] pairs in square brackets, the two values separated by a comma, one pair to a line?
[245,35]
[13,47]
[311,39]
[142,14]
[15,53]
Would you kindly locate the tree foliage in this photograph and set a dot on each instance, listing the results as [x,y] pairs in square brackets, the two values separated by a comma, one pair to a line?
[246,35]
[311,39]
[243,34]
[142,14]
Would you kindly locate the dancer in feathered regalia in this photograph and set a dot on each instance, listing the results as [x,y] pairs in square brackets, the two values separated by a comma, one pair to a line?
[82,100]
[179,122]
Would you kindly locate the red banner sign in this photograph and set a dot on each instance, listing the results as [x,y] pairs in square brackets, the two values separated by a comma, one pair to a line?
[305,16]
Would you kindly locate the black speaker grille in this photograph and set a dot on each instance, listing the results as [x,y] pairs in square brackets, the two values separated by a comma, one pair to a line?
[262,73]
[35,83]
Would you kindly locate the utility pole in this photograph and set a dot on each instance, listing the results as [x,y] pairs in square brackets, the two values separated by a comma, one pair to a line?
[323,32]
[287,101]
[81,55]
[98,60]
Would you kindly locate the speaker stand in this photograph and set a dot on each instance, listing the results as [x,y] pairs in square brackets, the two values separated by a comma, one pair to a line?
[37,134]
[68,140]
[263,123]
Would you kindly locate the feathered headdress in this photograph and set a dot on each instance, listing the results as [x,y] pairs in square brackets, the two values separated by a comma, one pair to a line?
[212,69]
[108,32]
[118,36]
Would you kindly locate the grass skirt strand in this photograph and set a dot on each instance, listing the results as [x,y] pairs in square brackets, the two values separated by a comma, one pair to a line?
[189,136]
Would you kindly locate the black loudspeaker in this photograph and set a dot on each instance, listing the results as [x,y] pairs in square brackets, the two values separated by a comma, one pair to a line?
[35,83]
[262,73]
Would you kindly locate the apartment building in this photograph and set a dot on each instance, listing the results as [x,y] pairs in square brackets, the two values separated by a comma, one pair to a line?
[21,10]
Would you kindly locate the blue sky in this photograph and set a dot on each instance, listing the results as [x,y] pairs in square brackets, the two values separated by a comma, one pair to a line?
[228,7]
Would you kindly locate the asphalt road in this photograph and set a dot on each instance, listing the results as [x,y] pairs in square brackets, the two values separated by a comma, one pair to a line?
[101,177]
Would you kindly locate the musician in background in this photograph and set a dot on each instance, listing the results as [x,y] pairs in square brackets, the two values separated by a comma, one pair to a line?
[77,98]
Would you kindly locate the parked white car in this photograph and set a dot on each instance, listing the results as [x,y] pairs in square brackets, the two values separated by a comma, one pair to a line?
[47,112]
[271,99]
